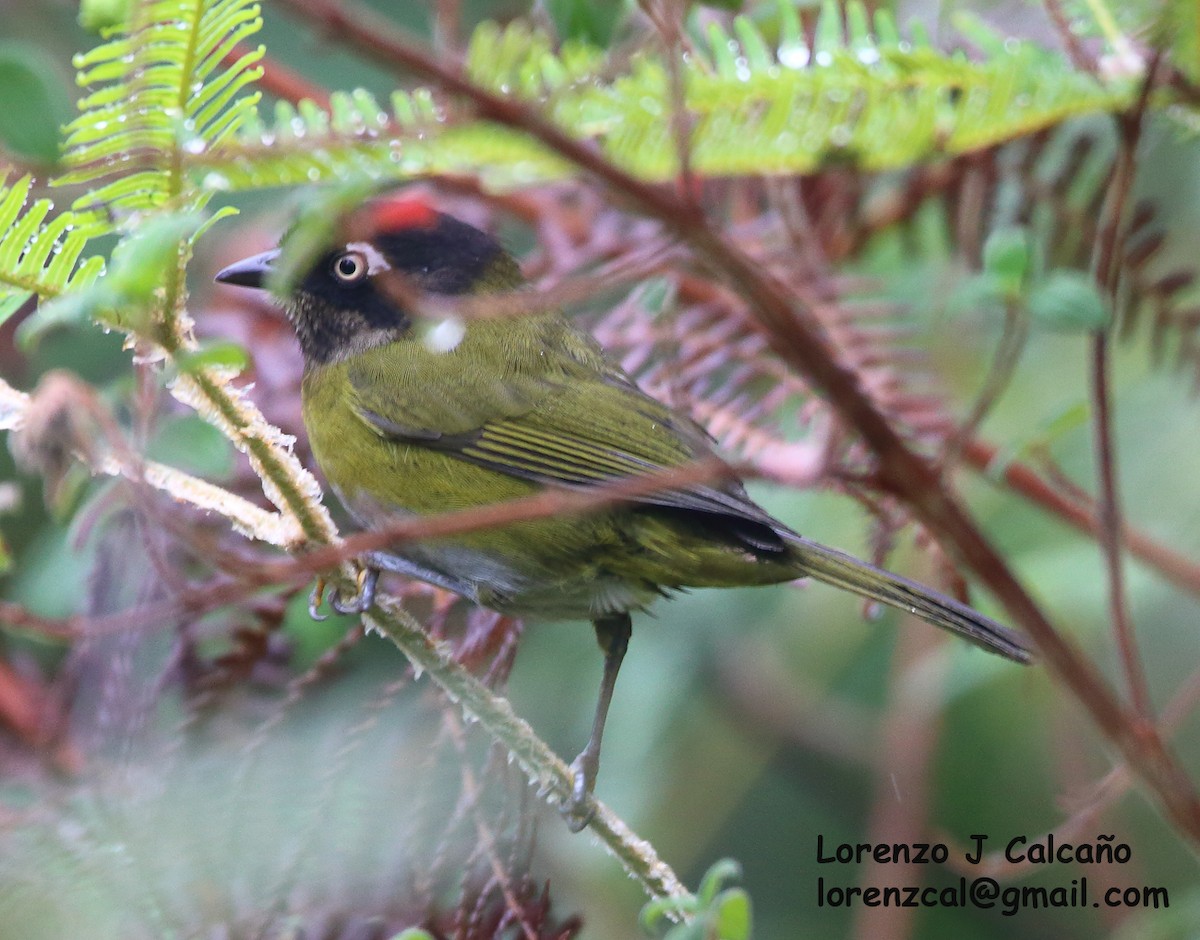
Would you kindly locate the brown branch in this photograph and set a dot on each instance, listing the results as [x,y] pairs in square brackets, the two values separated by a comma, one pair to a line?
[541,505]
[20,619]
[1106,271]
[298,568]
[1079,56]
[794,336]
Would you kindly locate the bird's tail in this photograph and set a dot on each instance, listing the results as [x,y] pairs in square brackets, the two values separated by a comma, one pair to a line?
[841,570]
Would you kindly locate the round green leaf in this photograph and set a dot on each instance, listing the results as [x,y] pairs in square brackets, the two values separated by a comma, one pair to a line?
[1068,301]
[35,104]
[1006,257]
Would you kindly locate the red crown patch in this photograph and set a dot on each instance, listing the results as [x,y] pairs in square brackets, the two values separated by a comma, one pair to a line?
[400,213]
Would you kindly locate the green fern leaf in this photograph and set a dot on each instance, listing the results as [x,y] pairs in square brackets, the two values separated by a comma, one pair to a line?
[360,139]
[160,91]
[40,257]
[869,99]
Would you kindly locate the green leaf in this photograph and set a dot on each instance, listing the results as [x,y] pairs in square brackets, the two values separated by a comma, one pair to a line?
[40,257]
[874,101]
[715,913]
[224,354]
[95,302]
[1179,31]
[96,16]
[159,90]
[317,215]
[1006,258]
[35,104]
[733,915]
[142,261]
[654,912]
[190,443]
[722,872]
[126,296]
[10,303]
[1068,301]
[585,20]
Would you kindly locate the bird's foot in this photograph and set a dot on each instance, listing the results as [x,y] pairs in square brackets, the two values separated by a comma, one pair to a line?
[579,808]
[359,602]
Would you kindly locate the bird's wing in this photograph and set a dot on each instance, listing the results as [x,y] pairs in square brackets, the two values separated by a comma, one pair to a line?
[575,430]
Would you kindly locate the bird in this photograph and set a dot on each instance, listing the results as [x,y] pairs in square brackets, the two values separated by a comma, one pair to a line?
[408,417]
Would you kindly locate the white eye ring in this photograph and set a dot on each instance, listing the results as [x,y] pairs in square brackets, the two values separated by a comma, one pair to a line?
[350,267]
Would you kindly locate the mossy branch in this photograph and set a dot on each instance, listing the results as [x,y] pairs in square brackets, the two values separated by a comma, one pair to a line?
[545,769]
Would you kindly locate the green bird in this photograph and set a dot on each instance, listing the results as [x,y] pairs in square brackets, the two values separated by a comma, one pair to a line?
[406,420]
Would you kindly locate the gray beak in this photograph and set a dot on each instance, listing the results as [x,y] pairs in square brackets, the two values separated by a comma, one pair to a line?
[249,272]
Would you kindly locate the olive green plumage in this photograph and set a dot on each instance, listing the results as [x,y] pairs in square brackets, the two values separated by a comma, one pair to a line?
[458,433]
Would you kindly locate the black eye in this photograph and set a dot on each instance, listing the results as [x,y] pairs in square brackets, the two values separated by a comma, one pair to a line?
[350,267]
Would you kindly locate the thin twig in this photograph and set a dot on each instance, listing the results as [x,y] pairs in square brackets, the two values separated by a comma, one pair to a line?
[1079,56]
[544,504]
[1000,374]
[298,568]
[1106,270]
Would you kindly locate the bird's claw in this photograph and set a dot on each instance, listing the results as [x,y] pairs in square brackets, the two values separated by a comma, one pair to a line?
[579,808]
[364,594]
[360,602]
[314,601]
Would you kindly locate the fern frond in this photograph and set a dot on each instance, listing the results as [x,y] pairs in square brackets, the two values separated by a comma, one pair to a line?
[359,137]
[864,97]
[700,352]
[160,91]
[40,257]
[865,101]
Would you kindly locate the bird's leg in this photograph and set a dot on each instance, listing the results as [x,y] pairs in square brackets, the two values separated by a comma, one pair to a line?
[612,633]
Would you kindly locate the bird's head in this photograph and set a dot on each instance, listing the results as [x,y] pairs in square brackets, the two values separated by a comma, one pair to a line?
[344,302]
